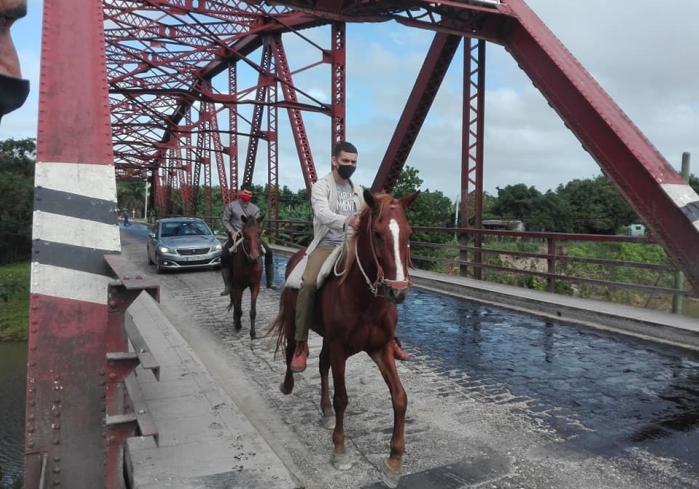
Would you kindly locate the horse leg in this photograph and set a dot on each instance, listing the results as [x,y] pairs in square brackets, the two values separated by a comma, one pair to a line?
[341,459]
[237,307]
[288,385]
[387,365]
[254,291]
[325,405]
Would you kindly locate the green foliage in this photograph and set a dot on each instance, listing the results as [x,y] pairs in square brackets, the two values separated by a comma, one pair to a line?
[131,195]
[14,301]
[17,160]
[694,182]
[408,182]
[596,206]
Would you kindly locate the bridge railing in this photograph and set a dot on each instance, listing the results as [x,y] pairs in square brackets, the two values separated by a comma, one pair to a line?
[625,269]
[126,413]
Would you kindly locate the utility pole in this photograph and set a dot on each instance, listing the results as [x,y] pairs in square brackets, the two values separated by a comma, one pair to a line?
[677,299]
[145,203]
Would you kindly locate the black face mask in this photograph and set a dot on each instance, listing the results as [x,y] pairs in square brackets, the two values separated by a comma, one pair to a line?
[345,171]
[13,93]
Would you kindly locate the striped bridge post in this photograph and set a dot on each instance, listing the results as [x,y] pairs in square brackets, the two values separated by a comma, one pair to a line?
[74,226]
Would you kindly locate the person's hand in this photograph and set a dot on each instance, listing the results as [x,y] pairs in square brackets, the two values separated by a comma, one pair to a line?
[354,221]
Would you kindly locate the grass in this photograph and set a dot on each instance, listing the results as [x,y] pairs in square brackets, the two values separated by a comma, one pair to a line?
[14,301]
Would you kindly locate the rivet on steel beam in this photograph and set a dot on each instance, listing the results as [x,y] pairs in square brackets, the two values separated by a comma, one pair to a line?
[56,470]
[56,459]
[30,444]
[112,376]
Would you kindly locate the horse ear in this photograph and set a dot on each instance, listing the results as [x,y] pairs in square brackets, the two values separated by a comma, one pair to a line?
[244,218]
[407,200]
[369,199]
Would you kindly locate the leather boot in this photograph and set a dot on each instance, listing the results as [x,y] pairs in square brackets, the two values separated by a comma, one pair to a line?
[298,361]
[399,353]
[226,274]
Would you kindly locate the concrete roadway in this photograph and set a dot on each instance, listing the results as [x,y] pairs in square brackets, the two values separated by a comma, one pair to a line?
[456,437]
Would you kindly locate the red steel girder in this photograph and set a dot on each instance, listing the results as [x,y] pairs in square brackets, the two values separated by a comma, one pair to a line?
[429,79]
[233,136]
[272,155]
[338,82]
[652,186]
[298,129]
[473,136]
[264,81]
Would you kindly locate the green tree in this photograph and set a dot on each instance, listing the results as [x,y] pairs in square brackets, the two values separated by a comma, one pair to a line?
[517,202]
[17,160]
[131,195]
[597,206]
[408,182]
[694,182]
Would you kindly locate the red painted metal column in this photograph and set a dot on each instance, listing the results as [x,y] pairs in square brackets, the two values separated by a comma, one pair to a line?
[74,226]
[233,133]
[272,153]
[416,108]
[338,82]
[264,80]
[665,202]
[298,129]
[472,146]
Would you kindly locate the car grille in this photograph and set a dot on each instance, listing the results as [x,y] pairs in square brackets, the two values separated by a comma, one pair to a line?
[195,251]
[193,262]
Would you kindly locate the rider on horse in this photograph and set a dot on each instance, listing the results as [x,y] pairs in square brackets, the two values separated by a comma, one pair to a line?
[233,222]
[336,202]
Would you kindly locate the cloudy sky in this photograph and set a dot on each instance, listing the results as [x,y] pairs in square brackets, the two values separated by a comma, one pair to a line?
[644,55]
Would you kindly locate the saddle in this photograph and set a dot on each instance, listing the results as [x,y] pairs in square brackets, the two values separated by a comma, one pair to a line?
[294,280]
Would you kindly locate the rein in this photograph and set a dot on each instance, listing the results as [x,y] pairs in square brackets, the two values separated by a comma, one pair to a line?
[381,280]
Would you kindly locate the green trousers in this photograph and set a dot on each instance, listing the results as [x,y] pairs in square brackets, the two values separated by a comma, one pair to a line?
[305,302]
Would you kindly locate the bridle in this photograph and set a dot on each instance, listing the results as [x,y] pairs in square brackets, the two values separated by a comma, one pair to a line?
[381,282]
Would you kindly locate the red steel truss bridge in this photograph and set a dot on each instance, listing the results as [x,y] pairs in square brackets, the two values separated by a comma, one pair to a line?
[165,91]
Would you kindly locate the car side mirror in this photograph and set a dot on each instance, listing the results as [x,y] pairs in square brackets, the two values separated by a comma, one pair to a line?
[151,235]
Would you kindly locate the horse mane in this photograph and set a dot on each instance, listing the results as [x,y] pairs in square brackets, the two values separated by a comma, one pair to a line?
[383,201]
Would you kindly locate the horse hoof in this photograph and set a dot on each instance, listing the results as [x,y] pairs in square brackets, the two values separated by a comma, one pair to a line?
[328,422]
[388,476]
[342,461]
[238,327]
[286,391]
[252,335]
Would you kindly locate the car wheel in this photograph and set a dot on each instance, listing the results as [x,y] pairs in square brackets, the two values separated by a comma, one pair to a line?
[150,262]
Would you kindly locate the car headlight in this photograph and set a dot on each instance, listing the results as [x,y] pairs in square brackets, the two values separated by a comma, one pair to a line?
[165,249]
[218,246]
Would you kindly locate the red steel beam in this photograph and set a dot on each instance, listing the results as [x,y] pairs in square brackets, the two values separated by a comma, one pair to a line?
[74,226]
[473,133]
[665,202]
[338,82]
[272,155]
[430,77]
[264,81]
[303,147]
[232,135]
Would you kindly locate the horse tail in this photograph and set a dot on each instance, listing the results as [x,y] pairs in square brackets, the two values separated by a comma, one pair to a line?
[283,324]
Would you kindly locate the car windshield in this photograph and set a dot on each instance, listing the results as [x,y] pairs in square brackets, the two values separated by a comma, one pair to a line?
[184,228]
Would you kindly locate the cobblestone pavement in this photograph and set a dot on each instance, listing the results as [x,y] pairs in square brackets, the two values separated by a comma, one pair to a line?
[460,431]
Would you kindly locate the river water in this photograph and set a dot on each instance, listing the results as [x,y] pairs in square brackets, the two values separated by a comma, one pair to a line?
[13,359]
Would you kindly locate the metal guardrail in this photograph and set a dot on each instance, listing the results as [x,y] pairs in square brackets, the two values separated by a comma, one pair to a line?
[126,413]
[472,249]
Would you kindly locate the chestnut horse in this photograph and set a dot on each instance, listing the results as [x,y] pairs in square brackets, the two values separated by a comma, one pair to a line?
[355,310]
[246,269]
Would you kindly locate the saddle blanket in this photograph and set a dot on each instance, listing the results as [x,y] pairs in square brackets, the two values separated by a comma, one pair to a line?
[294,280]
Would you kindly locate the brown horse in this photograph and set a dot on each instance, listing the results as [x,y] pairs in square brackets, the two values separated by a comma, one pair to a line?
[246,269]
[356,311]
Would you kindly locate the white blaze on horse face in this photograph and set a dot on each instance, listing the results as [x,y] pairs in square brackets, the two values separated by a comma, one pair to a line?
[395,231]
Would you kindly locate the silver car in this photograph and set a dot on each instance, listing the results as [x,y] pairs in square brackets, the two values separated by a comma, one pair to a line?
[182,242]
